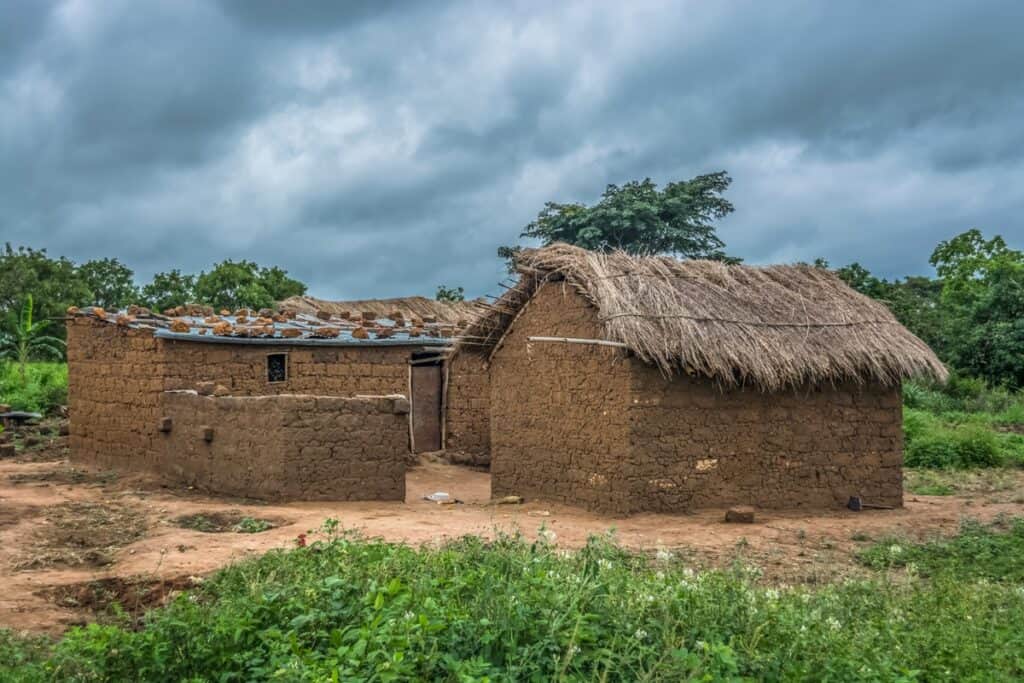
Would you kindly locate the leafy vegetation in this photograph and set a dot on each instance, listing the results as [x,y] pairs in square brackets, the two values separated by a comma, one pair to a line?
[991,552]
[445,293]
[58,283]
[24,338]
[253,525]
[641,219]
[220,522]
[44,388]
[972,314]
[963,424]
[237,284]
[994,483]
[350,609]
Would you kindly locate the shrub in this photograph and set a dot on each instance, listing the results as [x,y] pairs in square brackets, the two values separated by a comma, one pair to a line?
[349,609]
[45,387]
[930,443]
[934,449]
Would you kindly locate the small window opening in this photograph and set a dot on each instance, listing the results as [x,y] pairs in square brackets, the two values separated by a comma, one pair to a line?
[426,358]
[277,367]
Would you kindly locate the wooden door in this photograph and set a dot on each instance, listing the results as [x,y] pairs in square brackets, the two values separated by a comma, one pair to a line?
[426,408]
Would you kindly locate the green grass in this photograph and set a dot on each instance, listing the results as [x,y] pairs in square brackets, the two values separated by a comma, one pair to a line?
[997,484]
[511,610]
[990,552]
[45,386]
[964,424]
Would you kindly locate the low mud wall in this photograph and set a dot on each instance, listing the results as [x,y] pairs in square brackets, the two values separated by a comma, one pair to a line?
[286,447]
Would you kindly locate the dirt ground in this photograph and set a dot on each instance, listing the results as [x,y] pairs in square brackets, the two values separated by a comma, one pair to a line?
[72,541]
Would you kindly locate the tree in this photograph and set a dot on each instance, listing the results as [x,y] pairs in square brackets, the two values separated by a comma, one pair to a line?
[243,284]
[279,285]
[24,339]
[966,262]
[168,290]
[641,219]
[54,283]
[450,293]
[983,306]
[111,282]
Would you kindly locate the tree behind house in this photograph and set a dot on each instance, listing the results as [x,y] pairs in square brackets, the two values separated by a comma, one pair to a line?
[641,219]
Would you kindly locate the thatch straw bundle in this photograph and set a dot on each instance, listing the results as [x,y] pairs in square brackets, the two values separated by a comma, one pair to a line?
[771,327]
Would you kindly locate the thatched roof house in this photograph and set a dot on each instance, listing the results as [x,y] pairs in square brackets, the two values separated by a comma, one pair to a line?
[629,383]
[771,327]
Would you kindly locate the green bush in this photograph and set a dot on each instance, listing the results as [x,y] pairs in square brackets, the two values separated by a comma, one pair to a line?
[44,388]
[962,394]
[510,610]
[930,442]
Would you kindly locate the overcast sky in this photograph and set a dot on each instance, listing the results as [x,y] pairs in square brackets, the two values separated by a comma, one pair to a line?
[379,149]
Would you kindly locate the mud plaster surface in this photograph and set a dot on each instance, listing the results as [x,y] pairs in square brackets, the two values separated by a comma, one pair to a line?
[792,547]
[591,425]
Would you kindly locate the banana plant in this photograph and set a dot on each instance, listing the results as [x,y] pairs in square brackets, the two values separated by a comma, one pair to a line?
[24,339]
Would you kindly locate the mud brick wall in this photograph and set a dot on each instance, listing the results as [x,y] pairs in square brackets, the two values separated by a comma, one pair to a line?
[693,445]
[287,447]
[467,410]
[114,384]
[320,371]
[559,414]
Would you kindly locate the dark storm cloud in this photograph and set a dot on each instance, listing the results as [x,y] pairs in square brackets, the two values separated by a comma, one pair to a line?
[383,148]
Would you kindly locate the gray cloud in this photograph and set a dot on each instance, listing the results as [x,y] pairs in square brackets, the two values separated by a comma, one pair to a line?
[382,148]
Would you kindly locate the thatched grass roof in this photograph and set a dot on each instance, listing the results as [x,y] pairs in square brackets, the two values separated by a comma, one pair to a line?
[770,327]
[410,307]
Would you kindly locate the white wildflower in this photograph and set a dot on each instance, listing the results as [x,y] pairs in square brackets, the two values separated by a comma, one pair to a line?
[895,550]
[771,594]
[664,555]
[640,634]
[409,616]
[833,623]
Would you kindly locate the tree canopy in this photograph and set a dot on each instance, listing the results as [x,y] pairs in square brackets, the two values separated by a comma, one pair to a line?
[238,284]
[110,281]
[972,314]
[641,219]
[55,284]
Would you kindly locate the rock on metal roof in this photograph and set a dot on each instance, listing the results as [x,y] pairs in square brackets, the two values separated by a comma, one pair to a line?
[244,326]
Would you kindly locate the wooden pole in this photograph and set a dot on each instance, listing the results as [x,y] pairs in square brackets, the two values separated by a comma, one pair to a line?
[571,340]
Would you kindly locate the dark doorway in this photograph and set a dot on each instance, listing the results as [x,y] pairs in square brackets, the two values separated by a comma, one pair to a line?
[426,402]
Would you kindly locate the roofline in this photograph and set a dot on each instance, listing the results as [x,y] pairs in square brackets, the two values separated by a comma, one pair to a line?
[283,341]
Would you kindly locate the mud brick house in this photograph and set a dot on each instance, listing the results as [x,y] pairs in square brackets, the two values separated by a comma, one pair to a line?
[465,430]
[628,384]
[324,406]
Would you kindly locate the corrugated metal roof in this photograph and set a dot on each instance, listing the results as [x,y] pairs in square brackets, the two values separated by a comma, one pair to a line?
[279,329]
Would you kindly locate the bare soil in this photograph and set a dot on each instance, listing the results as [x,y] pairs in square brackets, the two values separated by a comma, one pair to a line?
[131,549]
